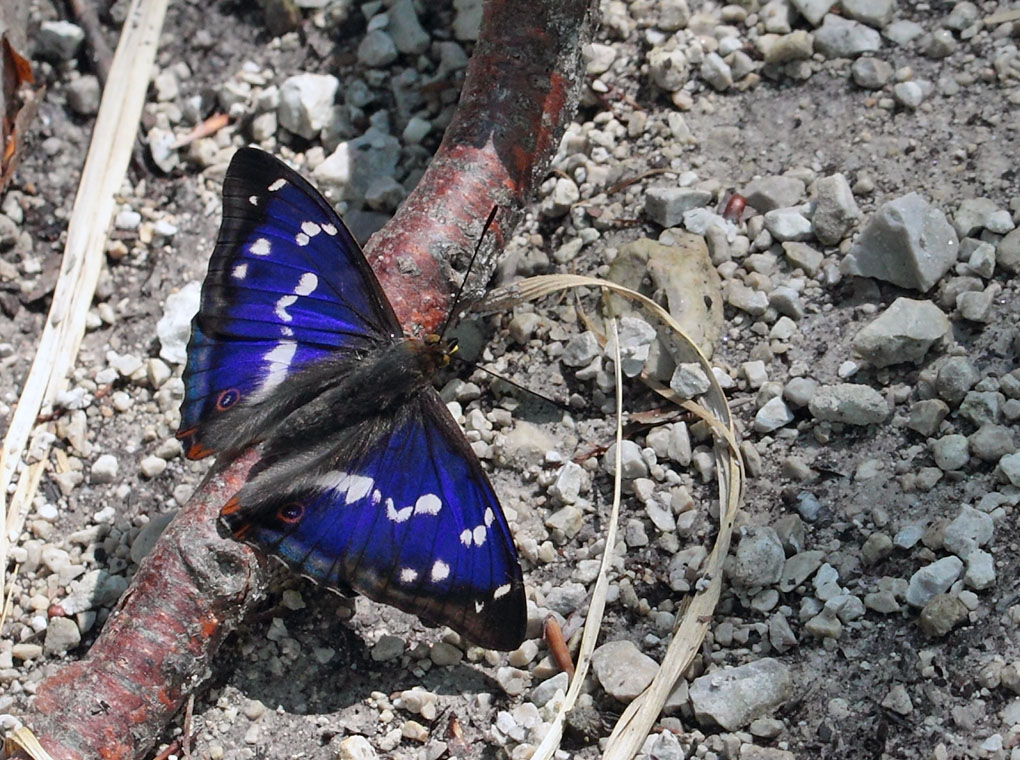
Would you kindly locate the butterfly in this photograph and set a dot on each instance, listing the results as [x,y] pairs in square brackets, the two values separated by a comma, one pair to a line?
[366,482]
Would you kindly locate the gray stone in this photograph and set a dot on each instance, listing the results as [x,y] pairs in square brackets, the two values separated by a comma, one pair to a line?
[95,589]
[781,635]
[351,169]
[795,46]
[666,206]
[622,669]
[838,37]
[716,72]
[951,452]
[927,415]
[149,535]
[740,296]
[908,94]
[972,215]
[799,391]
[563,195]
[773,414]
[758,559]
[877,547]
[405,29]
[980,573]
[804,256]
[104,469]
[59,40]
[689,380]
[902,333]
[825,625]
[940,44]
[932,580]
[942,614]
[991,442]
[813,10]
[799,568]
[1009,466]
[876,13]
[62,634]
[632,463]
[955,377]
[982,407]
[849,403]
[768,193]
[733,697]
[387,648]
[836,211]
[976,306]
[963,15]
[908,242]
[903,32]
[969,530]
[566,521]
[306,103]
[673,15]
[377,49]
[898,700]
[570,481]
[467,19]
[871,73]
[83,95]
[667,68]
[1007,252]
[581,350]
[786,224]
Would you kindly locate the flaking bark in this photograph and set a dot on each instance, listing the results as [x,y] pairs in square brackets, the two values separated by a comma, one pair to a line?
[195,587]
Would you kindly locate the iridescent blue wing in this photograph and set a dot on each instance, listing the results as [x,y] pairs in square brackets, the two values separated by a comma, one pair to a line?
[402,513]
[287,286]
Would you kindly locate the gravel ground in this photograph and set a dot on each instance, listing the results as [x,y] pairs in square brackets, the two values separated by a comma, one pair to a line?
[868,344]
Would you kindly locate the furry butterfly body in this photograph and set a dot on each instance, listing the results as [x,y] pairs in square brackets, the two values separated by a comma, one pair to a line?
[366,482]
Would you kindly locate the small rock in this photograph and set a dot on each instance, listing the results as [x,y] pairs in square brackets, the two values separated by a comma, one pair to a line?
[898,700]
[387,648]
[956,376]
[942,614]
[788,224]
[405,28]
[773,415]
[83,95]
[871,73]
[152,466]
[666,206]
[836,211]
[976,306]
[876,13]
[902,333]
[667,68]
[908,94]
[622,669]
[758,559]
[932,580]
[980,573]
[581,350]
[927,415]
[716,72]
[377,49]
[969,530]
[633,464]
[306,103]
[992,442]
[174,327]
[689,380]
[804,256]
[59,40]
[838,37]
[951,452]
[104,469]
[908,242]
[355,747]
[443,653]
[773,192]
[62,634]
[733,697]
[848,403]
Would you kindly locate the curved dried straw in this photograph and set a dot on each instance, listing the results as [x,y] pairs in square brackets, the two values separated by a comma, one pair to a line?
[640,716]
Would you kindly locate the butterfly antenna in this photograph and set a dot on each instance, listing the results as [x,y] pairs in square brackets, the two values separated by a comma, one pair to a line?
[558,404]
[460,290]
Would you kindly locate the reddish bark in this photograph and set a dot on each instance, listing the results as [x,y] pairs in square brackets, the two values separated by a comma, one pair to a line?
[195,587]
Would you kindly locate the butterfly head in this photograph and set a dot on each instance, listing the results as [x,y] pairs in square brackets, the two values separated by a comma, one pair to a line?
[441,349]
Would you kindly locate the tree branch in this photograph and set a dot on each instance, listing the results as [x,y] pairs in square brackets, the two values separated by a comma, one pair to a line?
[195,587]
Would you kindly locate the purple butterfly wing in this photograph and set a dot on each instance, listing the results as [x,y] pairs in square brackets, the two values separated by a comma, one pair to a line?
[406,516]
[287,286]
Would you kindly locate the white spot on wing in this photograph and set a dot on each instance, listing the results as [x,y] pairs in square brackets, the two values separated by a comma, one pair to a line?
[397,515]
[333,479]
[240,271]
[260,247]
[501,591]
[376,497]
[281,307]
[277,185]
[428,504]
[329,229]
[479,535]
[440,571]
[286,332]
[306,285]
[465,537]
[310,228]
[278,361]
[489,516]
[301,239]
[479,606]
[253,200]
[359,488]
[408,575]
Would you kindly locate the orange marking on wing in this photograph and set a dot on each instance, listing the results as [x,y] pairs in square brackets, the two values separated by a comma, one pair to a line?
[231,507]
[198,451]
